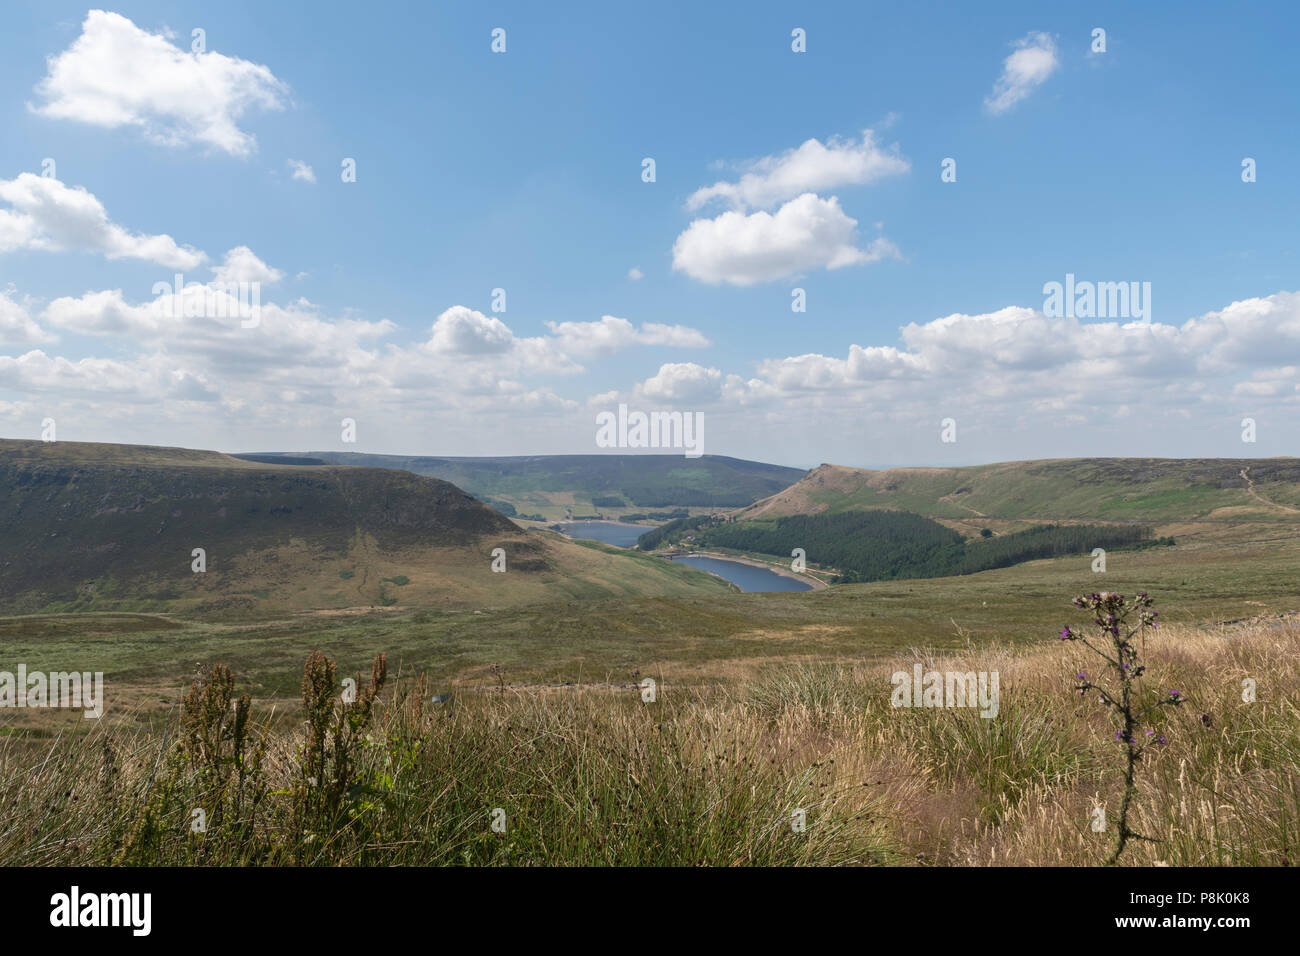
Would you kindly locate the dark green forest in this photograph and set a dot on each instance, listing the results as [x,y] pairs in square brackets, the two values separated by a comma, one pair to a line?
[888,545]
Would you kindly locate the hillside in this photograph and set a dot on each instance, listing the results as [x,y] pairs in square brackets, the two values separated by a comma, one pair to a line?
[1156,490]
[93,527]
[613,485]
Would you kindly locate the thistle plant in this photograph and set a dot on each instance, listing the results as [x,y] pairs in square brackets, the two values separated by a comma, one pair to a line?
[336,729]
[209,722]
[1118,622]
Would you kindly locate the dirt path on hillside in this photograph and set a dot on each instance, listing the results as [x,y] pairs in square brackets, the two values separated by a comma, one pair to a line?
[1250,490]
[952,500]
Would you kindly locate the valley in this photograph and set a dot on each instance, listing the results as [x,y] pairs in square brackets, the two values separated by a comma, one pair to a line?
[353,560]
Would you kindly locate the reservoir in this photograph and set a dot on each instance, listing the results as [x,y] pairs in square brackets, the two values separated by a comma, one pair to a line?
[744,576]
[609,532]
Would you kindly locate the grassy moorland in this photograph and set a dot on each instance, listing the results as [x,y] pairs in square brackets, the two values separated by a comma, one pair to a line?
[766,704]
[1207,578]
[707,774]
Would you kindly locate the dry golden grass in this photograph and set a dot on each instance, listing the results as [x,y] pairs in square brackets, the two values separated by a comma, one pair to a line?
[711,773]
[1021,788]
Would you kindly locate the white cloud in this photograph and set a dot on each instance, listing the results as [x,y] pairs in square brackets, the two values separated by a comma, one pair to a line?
[682,382]
[204,328]
[302,171]
[116,74]
[1271,383]
[1017,357]
[241,265]
[812,167]
[611,334]
[806,233]
[1027,68]
[463,331]
[634,273]
[43,213]
[94,378]
[1034,386]
[16,326]
[102,313]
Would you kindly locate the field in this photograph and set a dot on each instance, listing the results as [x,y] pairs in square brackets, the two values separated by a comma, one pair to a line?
[523,692]
[798,762]
[713,637]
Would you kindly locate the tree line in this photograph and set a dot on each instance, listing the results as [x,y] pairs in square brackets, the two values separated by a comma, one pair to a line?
[888,545]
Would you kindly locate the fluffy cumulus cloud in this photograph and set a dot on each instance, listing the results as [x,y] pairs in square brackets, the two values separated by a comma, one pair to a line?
[116,74]
[241,265]
[777,224]
[1017,358]
[40,212]
[196,345]
[807,232]
[1020,379]
[206,330]
[682,382]
[1261,331]
[462,331]
[1027,68]
[812,167]
[102,384]
[17,327]
[612,334]
[190,313]
[1014,373]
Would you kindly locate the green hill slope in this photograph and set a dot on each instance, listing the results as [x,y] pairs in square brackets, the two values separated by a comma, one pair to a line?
[88,526]
[1106,489]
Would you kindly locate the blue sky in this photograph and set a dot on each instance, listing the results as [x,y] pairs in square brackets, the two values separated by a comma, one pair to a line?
[522,170]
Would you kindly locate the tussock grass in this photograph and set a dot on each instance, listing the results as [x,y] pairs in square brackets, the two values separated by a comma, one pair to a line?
[702,776]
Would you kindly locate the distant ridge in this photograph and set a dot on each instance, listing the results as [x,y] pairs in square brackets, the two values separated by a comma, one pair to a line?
[1110,489]
[637,481]
[275,459]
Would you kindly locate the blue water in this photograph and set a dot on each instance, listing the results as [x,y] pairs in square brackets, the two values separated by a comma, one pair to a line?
[610,532]
[744,576]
